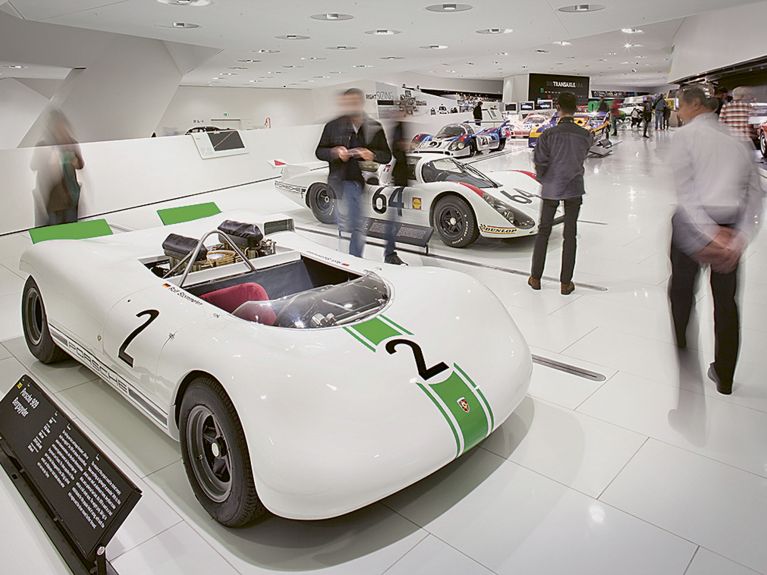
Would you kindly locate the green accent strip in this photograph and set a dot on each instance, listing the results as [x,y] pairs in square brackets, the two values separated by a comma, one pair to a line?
[394,324]
[188,213]
[375,330]
[479,393]
[474,424]
[447,418]
[359,339]
[74,231]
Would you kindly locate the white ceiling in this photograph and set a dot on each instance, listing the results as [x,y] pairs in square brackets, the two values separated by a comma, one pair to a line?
[240,27]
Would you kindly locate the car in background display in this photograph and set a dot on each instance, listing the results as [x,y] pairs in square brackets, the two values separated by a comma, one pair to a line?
[457,200]
[297,379]
[462,140]
[596,123]
[523,128]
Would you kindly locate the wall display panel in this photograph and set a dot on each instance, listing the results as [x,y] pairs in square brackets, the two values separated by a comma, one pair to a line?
[550,86]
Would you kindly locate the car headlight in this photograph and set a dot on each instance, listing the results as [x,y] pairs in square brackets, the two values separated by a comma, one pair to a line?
[458,145]
[514,216]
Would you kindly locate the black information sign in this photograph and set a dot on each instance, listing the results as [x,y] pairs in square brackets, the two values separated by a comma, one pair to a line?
[550,86]
[87,496]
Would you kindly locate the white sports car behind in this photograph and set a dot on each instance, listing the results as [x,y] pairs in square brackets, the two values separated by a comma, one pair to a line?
[457,200]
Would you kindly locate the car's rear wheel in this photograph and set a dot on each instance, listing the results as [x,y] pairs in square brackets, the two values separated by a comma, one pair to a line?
[763,143]
[473,151]
[216,456]
[322,201]
[34,321]
[455,222]
[502,144]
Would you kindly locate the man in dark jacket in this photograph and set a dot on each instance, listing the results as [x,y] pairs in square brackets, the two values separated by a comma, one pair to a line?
[346,142]
[477,113]
[559,157]
[400,144]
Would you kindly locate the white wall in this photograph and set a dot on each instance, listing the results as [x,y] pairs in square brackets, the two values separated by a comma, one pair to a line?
[516,88]
[19,108]
[411,80]
[717,39]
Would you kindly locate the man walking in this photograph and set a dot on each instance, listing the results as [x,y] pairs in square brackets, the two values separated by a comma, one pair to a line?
[719,203]
[477,113]
[559,157]
[347,141]
[735,115]
[660,109]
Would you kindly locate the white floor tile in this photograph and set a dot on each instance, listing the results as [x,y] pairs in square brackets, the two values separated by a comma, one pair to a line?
[177,551]
[10,283]
[10,316]
[367,541]
[55,377]
[719,507]
[717,429]
[579,451]
[434,557]
[708,563]
[4,353]
[515,521]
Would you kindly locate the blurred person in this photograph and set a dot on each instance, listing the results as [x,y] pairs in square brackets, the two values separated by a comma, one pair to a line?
[735,114]
[350,139]
[400,145]
[559,157]
[722,96]
[719,203]
[646,115]
[602,108]
[636,117]
[667,117]
[477,113]
[615,114]
[660,110]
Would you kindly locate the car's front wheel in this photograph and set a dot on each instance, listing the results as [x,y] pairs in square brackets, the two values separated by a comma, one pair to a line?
[455,222]
[501,144]
[215,455]
[34,321]
[763,143]
[322,202]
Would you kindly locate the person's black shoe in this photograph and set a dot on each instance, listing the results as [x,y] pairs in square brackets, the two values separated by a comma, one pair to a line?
[722,387]
[394,259]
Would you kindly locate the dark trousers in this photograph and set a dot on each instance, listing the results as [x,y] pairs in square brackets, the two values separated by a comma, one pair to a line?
[647,120]
[569,245]
[684,273]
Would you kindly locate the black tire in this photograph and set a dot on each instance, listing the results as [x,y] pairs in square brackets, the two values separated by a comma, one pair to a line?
[322,202]
[502,144]
[35,323]
[216,456]
[455,222]
[763,144]
[473,151]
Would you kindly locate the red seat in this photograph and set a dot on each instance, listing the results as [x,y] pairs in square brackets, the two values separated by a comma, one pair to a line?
[232,297]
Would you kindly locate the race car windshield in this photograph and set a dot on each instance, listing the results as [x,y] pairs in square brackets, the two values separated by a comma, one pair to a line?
[325,306]
[451,131]
[448,170]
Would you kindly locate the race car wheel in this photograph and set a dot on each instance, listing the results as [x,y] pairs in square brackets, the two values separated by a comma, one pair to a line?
[473,151]
[35,323]
[455,222]
[763,144]
[215,455]
[322,201]
[501,144]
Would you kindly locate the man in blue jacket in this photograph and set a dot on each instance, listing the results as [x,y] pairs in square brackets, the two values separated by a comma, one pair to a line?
[559,158]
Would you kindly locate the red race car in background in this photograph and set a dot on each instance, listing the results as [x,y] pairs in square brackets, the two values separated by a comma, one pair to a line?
[762,135]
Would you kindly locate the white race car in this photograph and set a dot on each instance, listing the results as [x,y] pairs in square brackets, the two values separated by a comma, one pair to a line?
[457,200]
[296,378]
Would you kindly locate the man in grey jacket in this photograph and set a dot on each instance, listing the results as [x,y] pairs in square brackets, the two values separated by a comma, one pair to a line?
[559,157]
[719,205]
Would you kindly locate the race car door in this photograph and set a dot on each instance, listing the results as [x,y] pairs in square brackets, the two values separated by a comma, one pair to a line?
[403,204]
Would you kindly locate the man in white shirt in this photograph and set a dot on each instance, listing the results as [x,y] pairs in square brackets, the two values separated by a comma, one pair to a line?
[719,206]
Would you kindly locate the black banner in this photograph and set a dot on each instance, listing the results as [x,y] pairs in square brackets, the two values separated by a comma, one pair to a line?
[87,495]
[550,86]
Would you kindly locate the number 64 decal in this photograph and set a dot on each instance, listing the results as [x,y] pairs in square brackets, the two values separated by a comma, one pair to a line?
[425,372]
[124,355]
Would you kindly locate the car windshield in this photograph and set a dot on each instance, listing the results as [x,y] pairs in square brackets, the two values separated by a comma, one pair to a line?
[451,131]
[325,306]
[448,170]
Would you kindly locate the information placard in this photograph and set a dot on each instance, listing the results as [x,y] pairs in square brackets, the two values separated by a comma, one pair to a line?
[80,487]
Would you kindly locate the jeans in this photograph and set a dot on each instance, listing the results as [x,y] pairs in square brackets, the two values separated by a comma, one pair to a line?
[724,287]
[569,245]
[350,217]
[647,120]
[658,119]
[615,125]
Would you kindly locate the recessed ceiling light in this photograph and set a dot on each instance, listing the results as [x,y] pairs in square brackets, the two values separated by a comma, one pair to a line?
[362,66]
[248,61]
[392,58]
[227,74]
[434,47]
[495,31]
[184,25]
[542,51]
[237,68]
[342,47]
[612,53]
[14,66]
[292,37]
[288,66]
[449,7]
[632,30]
[562,43]
[382,32]
[322,77]
[332,17]
[580,8]
[253,81]
[197,3]
[266,51]
[502,54]
[315,58]
[336,72]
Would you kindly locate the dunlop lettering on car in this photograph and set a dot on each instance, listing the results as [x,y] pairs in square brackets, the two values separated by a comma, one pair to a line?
[459,400]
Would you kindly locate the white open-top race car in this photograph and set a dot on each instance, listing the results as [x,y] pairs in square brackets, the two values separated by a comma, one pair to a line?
[297,379]
[457,200]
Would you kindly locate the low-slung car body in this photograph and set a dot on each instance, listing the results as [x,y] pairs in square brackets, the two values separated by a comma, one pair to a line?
[457,200]
[598,124]
[463,140]
[298,380]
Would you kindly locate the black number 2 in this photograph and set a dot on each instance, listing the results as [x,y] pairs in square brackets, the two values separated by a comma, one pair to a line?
[124,355]
[425,372]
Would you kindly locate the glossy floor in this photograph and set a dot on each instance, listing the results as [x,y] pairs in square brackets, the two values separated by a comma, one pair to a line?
[647,472]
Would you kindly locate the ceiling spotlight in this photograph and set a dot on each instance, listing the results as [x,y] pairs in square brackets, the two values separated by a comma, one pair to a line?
[288,66]
[434,47]
[581,8]
[502,54]
[448,8]
[248,61]
[184,25]
[562,43]
[266,51]
[612,53]
[197,3]
[382,32]
[336,72]
[227,74]
[332,17]
[292,37]
[342,47]
[542,51]
[632,30]
[362,66]
[392,58]
[14,66]
[495,31]
[253,81]
[322,77]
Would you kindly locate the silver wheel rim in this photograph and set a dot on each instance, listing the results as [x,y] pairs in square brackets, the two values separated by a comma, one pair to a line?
[209,454]
[33,316]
